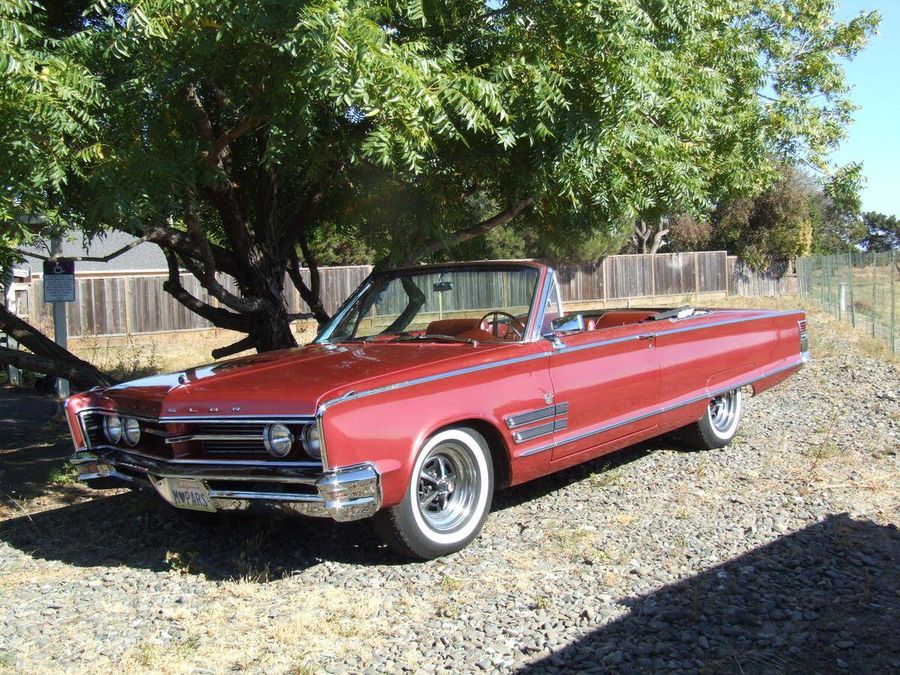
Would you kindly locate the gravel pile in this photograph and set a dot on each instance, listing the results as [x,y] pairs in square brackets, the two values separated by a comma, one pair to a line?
[777,554]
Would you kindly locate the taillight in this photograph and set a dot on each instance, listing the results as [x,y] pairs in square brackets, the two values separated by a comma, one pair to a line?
[804,339]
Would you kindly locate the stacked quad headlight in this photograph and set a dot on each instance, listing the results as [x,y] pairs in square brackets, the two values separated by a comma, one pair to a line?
[117,429]
[131,431]
[278,440]
[112,428]
[312,441]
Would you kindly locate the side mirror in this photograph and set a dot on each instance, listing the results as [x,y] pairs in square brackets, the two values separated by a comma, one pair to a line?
[568,324]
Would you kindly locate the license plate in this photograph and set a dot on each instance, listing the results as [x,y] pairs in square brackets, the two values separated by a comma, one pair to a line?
[190,494]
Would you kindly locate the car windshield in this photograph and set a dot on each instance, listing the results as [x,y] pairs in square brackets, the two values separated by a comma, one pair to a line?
[454,304]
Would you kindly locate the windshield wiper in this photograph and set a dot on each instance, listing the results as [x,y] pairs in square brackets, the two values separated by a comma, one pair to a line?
[436,336]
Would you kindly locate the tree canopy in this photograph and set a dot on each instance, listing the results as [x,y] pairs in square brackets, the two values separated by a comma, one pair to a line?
[882,232]
[243,136]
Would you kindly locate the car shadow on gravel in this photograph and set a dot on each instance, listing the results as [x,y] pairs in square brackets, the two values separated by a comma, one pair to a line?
[541,487]
[823,599]
[138,530]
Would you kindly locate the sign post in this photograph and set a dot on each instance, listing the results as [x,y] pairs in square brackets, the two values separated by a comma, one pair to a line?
[59,288]
[8,300]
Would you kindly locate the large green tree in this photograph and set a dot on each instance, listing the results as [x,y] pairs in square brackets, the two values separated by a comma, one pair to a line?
[47,137]
[237,134]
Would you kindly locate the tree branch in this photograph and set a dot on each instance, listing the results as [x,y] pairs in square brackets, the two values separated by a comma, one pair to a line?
[218,317]
[48,357]
[80,373]
[208,280]
[180,242]
[204,125]
[485,226]
[205,270]
[239,346]
[214,156]
[311,299]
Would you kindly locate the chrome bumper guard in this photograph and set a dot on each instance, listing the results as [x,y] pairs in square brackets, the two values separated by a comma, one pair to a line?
[345,493]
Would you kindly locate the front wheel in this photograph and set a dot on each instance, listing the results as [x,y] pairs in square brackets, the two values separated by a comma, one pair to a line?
[719,424]
[448,498]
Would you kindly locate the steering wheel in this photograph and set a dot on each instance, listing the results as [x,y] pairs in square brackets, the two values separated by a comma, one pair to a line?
[513,324]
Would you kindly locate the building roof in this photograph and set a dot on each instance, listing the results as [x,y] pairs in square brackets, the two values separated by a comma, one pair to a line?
[144,256]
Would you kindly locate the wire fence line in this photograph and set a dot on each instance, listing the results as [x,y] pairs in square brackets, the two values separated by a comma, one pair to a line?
[857,287]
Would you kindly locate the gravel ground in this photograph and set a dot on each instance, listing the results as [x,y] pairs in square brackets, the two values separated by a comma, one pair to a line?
[777,554]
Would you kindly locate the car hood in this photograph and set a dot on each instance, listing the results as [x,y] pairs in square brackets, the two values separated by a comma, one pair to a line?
[288,382]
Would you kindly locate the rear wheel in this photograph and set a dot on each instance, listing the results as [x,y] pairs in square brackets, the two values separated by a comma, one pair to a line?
[719,424]
[448,498]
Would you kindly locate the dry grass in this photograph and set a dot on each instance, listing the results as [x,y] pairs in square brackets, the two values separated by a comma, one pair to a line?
[140,355]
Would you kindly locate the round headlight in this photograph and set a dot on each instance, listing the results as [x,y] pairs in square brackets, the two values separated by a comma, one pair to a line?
[278,440]
[312,442]
[131,431]
[112,428]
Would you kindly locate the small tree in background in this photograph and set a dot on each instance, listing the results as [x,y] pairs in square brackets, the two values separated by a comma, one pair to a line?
[882,232]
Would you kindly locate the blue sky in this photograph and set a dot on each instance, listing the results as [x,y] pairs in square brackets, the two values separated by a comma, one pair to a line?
[874,138]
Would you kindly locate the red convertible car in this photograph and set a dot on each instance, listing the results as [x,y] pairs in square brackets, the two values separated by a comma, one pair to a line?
[432,387]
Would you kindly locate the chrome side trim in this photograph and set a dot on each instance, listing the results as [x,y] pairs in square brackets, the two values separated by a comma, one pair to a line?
[674,331]
[659,411]
[542,430]
[434,378]
[506,362]
[521,419]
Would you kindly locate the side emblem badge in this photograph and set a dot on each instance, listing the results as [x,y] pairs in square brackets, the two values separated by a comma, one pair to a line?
[548,398]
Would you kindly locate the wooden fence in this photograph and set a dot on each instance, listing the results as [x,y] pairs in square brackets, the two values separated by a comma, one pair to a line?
[109,304]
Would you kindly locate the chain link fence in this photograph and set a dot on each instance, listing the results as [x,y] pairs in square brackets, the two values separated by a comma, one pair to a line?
[860,288]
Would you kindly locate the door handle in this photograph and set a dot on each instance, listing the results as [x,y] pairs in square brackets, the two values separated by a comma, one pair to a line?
[647,336]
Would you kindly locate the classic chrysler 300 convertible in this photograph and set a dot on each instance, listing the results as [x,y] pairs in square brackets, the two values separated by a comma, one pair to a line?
[430,388]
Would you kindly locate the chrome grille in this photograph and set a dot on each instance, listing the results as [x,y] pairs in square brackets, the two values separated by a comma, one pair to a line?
[226,439]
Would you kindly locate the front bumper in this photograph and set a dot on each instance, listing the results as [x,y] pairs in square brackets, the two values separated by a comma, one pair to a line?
[345,493]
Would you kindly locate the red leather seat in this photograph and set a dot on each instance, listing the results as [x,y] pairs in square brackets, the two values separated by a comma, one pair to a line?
[590,323]
[451,326]
[476,334]
[619,318]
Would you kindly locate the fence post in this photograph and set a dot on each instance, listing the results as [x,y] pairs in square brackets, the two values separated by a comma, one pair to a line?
[893,303]
[696,276]
[873,293]
[129,314]
[850,281]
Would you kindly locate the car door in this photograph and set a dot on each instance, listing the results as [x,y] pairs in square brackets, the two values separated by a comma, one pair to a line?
[609,380]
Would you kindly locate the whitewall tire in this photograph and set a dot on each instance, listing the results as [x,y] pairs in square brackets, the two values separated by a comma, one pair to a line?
[719,425]
[448,498]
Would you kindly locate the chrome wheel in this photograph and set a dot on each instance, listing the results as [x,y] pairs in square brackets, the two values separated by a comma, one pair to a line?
[723,410]
[448,486]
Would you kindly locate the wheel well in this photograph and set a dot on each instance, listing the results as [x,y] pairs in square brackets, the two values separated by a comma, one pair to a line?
[496,444]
